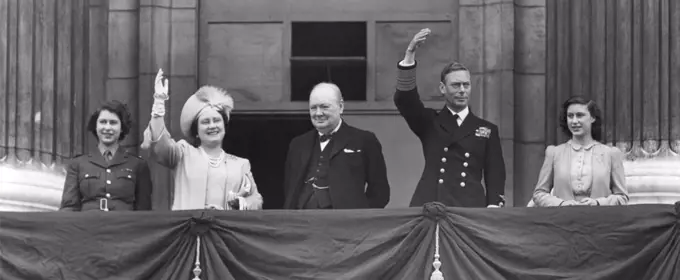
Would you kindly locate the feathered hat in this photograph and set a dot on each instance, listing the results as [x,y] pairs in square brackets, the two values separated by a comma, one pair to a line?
[205,97]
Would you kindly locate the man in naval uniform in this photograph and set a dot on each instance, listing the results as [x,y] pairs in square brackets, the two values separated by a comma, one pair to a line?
[459,148]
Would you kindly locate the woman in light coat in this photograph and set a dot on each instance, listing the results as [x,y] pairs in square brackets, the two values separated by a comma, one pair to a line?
[205,176]
[581,171]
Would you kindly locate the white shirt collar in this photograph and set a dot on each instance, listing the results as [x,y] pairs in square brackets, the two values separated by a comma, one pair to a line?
[334,130]
[462,114]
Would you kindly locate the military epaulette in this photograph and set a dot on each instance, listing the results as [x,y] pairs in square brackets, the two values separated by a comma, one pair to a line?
[129,153]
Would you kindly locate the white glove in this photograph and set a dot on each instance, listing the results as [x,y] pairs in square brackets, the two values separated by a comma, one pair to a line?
[160,95]
[242,204]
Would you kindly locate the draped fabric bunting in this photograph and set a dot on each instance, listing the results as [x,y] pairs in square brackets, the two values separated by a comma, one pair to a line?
[627,242]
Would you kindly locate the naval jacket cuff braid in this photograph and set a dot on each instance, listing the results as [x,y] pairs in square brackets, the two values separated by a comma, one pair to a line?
[406,77]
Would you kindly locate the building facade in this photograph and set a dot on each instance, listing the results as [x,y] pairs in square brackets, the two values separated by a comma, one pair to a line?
[62,58]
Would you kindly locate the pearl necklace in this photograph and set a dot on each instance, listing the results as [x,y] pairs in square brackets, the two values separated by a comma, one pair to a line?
[214,161]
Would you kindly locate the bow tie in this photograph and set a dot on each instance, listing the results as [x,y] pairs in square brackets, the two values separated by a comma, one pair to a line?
[325,137]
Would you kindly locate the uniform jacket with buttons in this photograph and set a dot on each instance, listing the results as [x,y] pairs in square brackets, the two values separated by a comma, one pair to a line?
[124,182]
[456,158]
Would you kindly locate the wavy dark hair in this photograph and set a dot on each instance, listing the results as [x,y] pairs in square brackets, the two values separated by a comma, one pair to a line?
[450,68]
[193,130]
[118,108]
[596,129]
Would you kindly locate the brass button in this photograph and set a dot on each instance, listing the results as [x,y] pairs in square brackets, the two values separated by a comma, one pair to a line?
[446,149]
[467,155]
[130,176]
[462,184]
[442,170]
[108,182]
[441,181]
[465,164]
[87,175]
[108,195]
[444,159]
[463,174]
[108,170]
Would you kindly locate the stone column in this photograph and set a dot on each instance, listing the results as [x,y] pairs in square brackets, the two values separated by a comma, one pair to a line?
[122,74]
[530,97]
[486,31]
[168,39]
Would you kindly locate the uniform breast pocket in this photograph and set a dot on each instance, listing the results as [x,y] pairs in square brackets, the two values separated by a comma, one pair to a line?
[89,180]
[126,176]
[354,158]
[481,141]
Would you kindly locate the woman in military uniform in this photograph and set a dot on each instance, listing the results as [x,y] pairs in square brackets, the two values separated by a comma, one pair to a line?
[110,179]
[205,176]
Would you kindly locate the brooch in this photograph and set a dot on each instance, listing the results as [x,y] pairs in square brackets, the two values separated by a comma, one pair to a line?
[483,132]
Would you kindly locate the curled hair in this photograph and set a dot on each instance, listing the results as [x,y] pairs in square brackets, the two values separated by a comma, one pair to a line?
[120,110]
[452,67]
[593,109]
[194,128]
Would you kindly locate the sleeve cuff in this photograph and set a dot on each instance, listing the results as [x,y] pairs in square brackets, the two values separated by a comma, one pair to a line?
[406,77]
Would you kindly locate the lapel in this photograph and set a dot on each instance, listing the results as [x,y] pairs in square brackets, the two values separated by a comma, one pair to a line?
[305,151]
[562,172]
[599,171]
[119,158]
[340,139]
[470,124]
[447,123]
[308,142]
[98,159]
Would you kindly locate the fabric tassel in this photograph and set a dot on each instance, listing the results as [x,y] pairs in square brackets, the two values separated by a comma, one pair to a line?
[436,274]
[197,270]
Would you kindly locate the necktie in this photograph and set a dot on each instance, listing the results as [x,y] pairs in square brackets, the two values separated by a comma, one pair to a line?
[455,120]
[108,156]
[325,137]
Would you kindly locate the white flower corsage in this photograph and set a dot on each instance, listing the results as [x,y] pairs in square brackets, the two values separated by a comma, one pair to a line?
[483,132]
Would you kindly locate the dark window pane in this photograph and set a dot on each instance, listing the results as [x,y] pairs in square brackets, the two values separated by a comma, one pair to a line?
[350,76]
[328,39]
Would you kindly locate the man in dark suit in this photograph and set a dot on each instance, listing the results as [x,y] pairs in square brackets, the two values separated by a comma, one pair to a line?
[459,148]
[335,166]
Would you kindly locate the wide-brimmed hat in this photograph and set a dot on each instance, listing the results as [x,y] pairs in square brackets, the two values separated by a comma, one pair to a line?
[206,96]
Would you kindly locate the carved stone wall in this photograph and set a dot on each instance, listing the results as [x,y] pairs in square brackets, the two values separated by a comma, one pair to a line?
[624,54]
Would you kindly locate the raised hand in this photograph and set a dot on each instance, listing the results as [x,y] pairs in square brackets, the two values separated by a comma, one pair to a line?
[161,87]
[418,40]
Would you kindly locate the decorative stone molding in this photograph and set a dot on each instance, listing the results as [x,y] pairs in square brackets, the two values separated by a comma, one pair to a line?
[29,189]
[652,171]
[649,149]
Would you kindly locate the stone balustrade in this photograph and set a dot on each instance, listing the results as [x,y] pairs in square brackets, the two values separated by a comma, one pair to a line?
[28,189]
